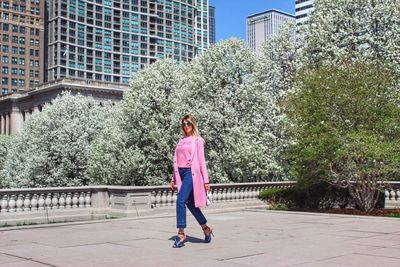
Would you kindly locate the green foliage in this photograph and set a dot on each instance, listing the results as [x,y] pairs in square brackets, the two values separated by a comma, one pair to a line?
[345,121]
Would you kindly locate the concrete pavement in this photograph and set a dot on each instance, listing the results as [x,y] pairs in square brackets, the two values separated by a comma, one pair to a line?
[242,238]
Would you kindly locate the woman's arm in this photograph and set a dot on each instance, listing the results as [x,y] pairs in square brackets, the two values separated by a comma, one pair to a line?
[202,160]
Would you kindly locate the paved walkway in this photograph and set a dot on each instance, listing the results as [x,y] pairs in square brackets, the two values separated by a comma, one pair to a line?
[242,238]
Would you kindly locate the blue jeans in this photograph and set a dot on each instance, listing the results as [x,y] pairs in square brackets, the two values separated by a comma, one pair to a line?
[186,198]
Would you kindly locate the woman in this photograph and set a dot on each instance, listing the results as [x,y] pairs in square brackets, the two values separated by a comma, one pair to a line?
[191,178]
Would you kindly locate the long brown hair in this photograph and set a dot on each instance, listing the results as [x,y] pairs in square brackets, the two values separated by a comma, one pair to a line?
[192,120]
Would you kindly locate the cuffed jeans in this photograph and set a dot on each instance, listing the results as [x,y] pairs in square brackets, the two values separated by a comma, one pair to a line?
[186,198]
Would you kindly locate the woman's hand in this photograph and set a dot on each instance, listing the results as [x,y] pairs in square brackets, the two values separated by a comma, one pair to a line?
[172,185]
[207,187]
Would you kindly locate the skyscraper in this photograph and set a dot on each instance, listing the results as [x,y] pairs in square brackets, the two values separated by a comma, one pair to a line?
[303,7]
[211,26]
[22,44]
[107,40]
[261,26]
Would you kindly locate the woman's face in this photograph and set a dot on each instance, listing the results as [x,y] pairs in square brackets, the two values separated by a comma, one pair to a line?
[187,127]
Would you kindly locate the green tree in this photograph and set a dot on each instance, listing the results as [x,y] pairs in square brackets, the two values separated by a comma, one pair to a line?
[345,121]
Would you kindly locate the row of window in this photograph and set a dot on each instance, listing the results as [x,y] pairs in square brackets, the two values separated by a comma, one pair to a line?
[14,82]
[19,40]
[18,50]
[19,72]
[20,18]
[19,61]
[16,28]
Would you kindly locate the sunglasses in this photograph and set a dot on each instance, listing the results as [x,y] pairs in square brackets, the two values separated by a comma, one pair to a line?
[184,124]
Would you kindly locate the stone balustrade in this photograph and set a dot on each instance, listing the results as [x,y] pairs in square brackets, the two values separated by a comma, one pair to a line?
[392,196]
[44,205]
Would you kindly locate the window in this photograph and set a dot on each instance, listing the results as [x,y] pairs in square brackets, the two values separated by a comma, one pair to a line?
[5,49]
[21,83]
[4,70]
[5,27]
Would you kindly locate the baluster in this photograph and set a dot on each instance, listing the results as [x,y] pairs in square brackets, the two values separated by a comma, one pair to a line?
[88,200]
[174,197]
[158,198]
[11,204]
[214,194]
[19,203]
[34,202]
[392,195]
[164,198]
[169,197]
[75,200]
[153,199]
[219,195]
[223,194]
[246,193]
[41,202]
[47,201]
[229,194]
[54,201]
[387,196]
[81,200]
[61,201]
[68,200]
[4,203]
[27,202]
[398,194]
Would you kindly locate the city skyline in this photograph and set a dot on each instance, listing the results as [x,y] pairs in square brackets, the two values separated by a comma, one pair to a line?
[231,15]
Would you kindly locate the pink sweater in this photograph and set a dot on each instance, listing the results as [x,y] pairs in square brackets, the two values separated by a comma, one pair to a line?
[199,171]
[184,152]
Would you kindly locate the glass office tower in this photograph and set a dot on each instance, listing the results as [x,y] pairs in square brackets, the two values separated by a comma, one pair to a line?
[108,40]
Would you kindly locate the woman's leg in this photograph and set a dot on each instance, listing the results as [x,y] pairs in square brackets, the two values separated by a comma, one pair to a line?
[183,195]
[195,211]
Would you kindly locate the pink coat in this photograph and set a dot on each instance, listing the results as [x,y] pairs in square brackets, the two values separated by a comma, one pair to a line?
[199,172]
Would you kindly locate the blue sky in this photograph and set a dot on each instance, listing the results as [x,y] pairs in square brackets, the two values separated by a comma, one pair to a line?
[231,14]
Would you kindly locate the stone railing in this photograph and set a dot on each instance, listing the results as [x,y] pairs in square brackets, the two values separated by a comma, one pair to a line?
[41,205]
[392,196]
[46,205]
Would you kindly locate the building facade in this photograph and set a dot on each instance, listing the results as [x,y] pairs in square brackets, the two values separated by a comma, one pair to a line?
[22,35]
[108,40]
[303,7]
[211,23]
[261,26]
[16,109]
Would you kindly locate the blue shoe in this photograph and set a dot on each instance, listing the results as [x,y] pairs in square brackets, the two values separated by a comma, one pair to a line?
[180,240]
[207,234]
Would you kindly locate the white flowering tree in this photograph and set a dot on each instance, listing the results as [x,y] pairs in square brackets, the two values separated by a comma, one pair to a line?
[5,142]
[54,146]
[235,114]
[367,30]
[138,149]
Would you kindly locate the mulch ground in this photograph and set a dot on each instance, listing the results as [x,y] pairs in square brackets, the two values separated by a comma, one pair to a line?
[377,212]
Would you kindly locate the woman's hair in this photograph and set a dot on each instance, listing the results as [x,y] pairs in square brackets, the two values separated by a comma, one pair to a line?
[191,119]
